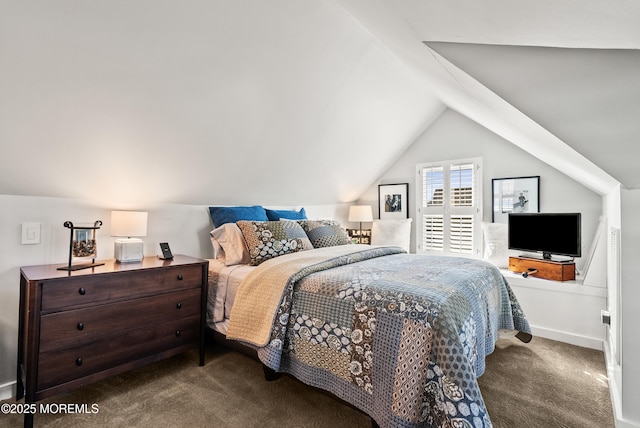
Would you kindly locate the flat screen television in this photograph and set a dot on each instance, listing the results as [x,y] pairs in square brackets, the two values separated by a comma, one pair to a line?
[546,233]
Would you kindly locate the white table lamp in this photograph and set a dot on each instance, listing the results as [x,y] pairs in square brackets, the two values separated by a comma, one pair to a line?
[128,225]
[360,213]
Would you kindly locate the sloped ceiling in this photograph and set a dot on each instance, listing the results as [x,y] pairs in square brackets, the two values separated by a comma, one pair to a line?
[595,28]
[589,98]
[203,102]
[280,102]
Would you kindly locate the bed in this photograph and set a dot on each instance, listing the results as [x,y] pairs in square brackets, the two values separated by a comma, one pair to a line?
[402,337]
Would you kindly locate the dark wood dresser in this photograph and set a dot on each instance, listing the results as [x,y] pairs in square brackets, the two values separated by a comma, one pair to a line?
[80,327]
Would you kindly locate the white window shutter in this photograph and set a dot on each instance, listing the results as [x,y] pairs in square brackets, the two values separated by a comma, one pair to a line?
[461,234]
[433,232]
[450,207]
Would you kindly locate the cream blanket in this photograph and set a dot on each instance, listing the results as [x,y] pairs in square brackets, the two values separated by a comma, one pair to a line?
[261,292]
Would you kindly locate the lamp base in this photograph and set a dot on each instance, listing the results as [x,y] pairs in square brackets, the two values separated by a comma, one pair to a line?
[128,250]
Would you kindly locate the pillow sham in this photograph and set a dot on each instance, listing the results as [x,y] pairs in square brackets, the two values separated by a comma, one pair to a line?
[325,233]
[275,215]
[392,232]
[228,245]
[496,251]
[268,239]
[222,215]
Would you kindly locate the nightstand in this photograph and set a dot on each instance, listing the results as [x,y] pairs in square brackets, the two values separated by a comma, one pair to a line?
[80,327]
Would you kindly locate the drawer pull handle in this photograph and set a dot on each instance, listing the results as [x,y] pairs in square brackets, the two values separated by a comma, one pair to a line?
[80,326]
[82,291]
[179,305]
[180,277]
[78,361]
[177,333]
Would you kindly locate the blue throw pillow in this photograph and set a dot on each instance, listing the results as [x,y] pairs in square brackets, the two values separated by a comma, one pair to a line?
[275,215]
[222,215]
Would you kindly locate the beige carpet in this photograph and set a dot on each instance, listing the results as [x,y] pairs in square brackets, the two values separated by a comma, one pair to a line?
[541,384]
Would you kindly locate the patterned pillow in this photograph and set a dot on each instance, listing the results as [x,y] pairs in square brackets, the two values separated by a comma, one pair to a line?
[325,233]
[268,239]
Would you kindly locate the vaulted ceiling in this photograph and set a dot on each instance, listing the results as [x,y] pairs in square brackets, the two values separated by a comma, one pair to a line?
[588,98]
[236,102]
[566,76]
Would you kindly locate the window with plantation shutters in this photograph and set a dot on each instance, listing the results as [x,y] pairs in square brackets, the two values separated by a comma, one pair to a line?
[449,207]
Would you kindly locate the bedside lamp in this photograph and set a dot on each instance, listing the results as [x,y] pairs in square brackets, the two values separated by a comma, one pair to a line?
[360,213]
[128,224]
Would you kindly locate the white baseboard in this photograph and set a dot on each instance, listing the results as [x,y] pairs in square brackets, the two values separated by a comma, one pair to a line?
[573,339]
[614,388]
[8,390]
[620,423]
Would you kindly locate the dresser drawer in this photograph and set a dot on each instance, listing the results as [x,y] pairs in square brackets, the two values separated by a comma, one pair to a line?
[61,366]
[60,330]
[91,289]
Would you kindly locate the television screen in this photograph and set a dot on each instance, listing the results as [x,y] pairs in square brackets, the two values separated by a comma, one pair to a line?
[548,233]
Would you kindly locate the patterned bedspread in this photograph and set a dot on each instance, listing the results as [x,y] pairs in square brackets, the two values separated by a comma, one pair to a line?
[403,337]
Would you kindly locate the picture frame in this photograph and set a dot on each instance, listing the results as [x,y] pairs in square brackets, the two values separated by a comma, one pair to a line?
[514,195]
[393,201]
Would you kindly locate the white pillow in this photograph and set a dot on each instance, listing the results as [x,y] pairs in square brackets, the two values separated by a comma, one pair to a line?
[496,251]
[229,245]
[392,232]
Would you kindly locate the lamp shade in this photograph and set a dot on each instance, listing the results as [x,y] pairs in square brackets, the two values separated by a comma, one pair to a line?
[360,213]
[128,223]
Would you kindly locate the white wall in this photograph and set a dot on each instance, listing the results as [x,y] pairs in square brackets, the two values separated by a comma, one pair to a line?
[185,227]
[574,315]
[452,136]
[573,312]
[629,306]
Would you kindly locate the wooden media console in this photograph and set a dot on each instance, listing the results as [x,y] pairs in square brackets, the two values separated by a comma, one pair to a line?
[547,269]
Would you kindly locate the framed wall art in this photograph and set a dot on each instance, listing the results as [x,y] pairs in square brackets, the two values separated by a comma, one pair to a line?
[393,201]
[515,195]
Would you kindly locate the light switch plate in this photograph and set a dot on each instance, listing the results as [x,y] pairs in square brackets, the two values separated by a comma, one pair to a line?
[30,233]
